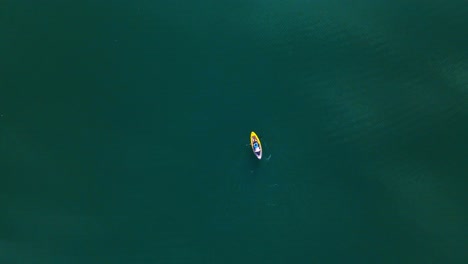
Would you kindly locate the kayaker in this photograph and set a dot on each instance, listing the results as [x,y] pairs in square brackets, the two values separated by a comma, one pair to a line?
[257,149]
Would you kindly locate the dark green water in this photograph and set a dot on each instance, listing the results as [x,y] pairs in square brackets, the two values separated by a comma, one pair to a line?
[123,128]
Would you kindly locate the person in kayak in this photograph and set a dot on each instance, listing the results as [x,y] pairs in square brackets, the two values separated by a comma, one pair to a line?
[256,147]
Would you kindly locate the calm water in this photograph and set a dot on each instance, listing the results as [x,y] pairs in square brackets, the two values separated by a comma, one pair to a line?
[124,124]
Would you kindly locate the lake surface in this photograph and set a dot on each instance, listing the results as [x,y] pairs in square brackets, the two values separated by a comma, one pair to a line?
[124,124]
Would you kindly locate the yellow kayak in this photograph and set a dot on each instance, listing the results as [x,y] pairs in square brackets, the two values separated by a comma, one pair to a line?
[256,145]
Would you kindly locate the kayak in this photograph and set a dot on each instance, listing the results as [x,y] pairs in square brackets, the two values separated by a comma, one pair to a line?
[255,139]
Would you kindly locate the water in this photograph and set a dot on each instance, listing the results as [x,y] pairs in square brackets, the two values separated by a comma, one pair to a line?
[123,130]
